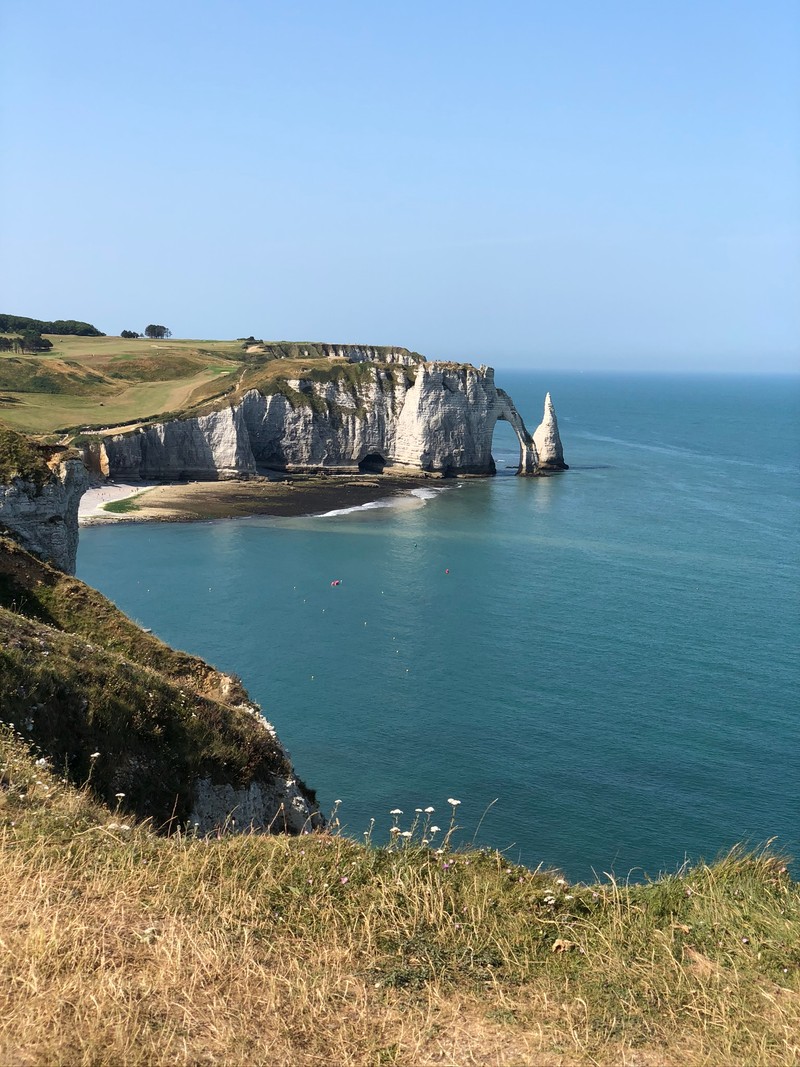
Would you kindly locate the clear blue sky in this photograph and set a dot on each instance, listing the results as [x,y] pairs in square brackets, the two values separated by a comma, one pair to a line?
[586,185]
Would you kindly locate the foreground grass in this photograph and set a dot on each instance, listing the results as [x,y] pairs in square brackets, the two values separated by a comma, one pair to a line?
[119,946]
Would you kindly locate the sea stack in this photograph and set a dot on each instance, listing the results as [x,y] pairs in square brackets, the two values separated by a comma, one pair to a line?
[547,440]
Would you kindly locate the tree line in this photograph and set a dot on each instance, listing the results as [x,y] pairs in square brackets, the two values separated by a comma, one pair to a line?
[27,341]
[24,325]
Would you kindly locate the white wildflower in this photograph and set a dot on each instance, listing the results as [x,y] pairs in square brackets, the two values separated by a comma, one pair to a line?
[453,802]
[95,755]
[395,811]
[406,833]
[394,830]
[435,829]
[429,810]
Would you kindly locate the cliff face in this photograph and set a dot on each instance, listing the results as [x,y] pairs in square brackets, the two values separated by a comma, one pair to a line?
[44,517]
[436,418]
[182,742]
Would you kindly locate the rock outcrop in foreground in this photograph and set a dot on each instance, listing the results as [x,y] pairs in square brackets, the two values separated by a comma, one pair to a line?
[157,733]
[406,415]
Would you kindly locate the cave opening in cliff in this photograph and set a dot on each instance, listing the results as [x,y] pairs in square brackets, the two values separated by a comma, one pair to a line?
[372,464]
[505,448]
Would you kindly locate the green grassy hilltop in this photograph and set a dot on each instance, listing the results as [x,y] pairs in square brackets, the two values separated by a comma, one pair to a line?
[88,381]
[93,380]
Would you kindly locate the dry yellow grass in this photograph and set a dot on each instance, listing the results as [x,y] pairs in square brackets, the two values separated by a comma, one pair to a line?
[118,946]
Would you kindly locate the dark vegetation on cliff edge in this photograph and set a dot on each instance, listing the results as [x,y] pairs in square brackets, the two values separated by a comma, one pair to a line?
[121,946]
[21,458]
[77,676]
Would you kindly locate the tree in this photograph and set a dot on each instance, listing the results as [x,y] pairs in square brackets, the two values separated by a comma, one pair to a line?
[129,334]
[32,341]
[157,332]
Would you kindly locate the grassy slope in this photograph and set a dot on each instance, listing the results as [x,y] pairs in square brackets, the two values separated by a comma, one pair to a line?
[124,947]
[108,381]
[78,676]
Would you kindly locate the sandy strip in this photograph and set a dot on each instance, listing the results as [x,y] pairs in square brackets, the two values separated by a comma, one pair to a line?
[295,496]
[90,509]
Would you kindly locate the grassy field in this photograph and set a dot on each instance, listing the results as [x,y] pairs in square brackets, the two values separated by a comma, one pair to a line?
[109,381]
[102,382]
[120,946]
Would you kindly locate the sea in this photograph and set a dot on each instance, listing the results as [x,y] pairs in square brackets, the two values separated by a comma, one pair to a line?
[601,666]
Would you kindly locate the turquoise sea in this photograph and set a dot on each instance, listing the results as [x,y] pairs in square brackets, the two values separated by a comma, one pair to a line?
[607,678]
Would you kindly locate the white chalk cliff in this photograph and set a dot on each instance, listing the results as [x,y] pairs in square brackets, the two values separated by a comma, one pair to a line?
[44,518]
[409,416]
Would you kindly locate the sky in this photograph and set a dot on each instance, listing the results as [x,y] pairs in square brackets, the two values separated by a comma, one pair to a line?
[577,185]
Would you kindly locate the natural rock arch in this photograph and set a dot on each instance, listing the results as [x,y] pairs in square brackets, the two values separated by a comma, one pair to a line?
[506,412]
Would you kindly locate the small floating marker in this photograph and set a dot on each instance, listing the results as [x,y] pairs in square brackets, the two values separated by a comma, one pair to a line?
[447,570]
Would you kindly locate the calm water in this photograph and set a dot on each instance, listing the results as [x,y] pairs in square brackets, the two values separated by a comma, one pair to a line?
[609,667]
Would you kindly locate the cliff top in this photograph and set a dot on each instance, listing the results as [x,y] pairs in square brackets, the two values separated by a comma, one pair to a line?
[99,382]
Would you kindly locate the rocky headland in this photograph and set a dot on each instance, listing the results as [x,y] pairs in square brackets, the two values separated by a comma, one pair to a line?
[366,412]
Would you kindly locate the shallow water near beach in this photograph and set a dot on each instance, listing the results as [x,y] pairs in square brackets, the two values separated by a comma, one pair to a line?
[607,677]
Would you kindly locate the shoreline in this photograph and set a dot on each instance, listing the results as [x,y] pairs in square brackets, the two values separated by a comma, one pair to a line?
[291,497]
